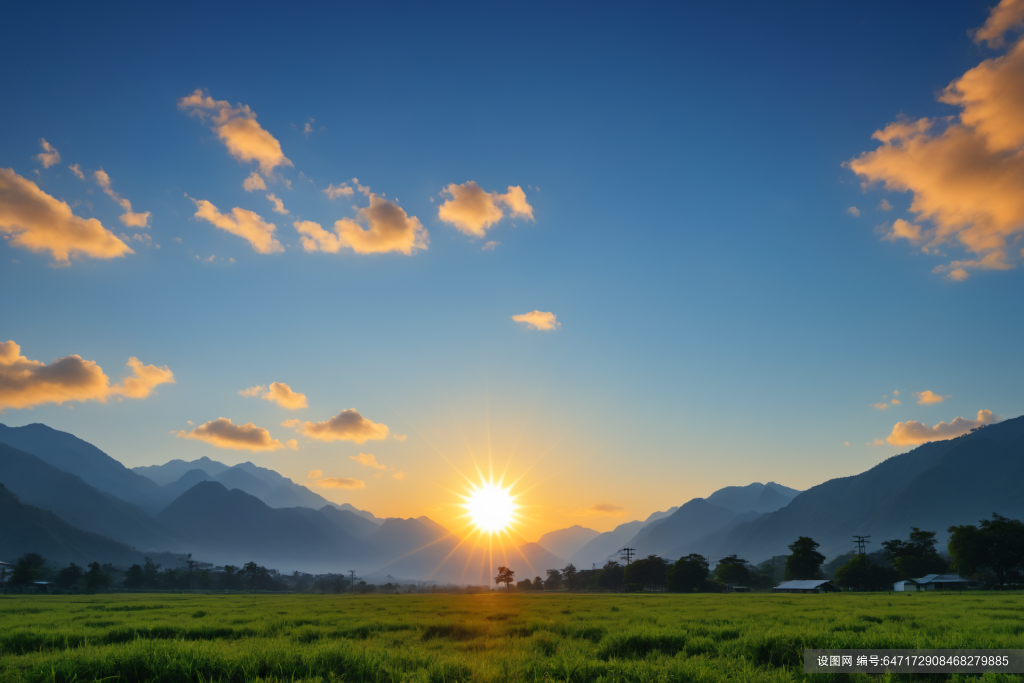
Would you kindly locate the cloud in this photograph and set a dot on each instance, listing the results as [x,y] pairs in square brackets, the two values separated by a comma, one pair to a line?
[965,172]
[314,474]
[223,433]
[472,210]
[26,383]
[282,394]
[292,444]
[38,222]
[609,509]
[897,402]
[880,406]
[1007,15]
[538,320]
[348,425]
[237,128]
[252,391]
[398,474]
[243,223]
[340,483]
[278,204]
[853,211]
[334,191]
[387,228]
[927,397]
[913,433]
[846,443]
[129,217]
[400,437]
[875,443]
[368,460]
[253,182]
[49,156]
[77,170]
[490,246]
[884,205]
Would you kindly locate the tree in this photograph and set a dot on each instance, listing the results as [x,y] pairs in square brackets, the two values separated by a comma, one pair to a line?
[916,557]
[29,569]
[554,580]
[732,570]
[569,572]
[150,574]
[651,572]
[688,574]
[804,561]
[69,576]
[996,544]
[133,578]
[611,576]
[860,573]
[505,576]
[525,585]
[96,578]
[190,567]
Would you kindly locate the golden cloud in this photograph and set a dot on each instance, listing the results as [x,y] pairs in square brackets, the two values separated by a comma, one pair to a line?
[26,383]
[278,204]
[538,320]
[129,217]
[880,406]
[387,228]
[314,474]
[368,460]
[244,223]
[223,433]
[334,191]
[237,128]
[282,394]
[348,425]
[473,210]
[77,170]
[928,397]
[49,156]
[609,509]
[40,223]
[340,483]
[913,433]
[1005,16]
[966,173]
[254,182]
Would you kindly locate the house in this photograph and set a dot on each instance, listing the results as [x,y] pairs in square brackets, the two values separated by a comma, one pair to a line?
[947,582]
[807,586]
[908,586]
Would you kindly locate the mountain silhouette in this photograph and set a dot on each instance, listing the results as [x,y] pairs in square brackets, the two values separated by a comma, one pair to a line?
[565,542]
[71,454]
[692,520]
[606,545]
[349,522]
[69,497]
[173,470]
[753,497]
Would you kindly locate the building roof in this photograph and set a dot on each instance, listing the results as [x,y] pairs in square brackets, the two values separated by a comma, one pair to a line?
[941,578]
[809,584]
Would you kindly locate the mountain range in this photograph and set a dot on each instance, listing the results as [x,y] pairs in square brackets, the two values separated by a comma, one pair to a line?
[69,501]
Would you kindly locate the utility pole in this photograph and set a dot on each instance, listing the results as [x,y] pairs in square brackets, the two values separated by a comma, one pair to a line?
[861,541]
[353,573]
[627,555]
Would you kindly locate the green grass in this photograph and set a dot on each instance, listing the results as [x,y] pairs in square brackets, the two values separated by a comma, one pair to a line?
[489,637]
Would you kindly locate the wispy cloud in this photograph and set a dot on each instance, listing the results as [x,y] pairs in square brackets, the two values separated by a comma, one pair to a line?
[49,156]
[129,217]
[853,211]
[368,460]
[538,320]
[241,222]
[278,204]
[607,509]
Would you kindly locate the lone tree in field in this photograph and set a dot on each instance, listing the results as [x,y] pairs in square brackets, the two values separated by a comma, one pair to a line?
[505,576]
[805,562]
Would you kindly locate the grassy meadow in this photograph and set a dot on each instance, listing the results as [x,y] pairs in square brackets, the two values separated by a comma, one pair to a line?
[483,637]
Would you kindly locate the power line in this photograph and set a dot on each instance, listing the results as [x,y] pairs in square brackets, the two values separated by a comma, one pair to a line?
[861,541]
[627,554]
[353,573]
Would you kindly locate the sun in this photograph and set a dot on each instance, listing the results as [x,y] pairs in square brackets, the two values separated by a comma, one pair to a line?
[490,507]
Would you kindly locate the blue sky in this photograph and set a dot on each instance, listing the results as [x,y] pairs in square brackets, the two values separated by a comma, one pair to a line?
[723,318]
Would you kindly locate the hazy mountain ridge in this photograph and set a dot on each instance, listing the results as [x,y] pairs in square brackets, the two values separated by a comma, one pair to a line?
[565,542]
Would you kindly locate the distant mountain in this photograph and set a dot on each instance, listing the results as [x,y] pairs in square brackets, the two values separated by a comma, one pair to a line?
[415,548]
[691,521]
[349,522]
[708,544]
[68,496]
[188,480]
[565,542]
[233,526]
[753,497]
[173,470]
[70,454]
[531,560]
[28,529]
[606,545]
[934,486]
[362,513]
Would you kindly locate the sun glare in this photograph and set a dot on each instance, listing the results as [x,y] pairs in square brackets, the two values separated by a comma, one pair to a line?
[491,507]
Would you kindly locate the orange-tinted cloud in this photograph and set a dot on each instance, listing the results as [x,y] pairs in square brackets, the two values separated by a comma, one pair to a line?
[49,156]
[254,182]
[334,191]
[880,406]
[913,433]
[26,383]
[381,227]
[77,170]
[538,320]
[853,211]
[340,483]
[40,223]
[278,204]
[368,460]
[966,173]
[238,129]
[927,397]
[1006,16]
[903,230]
[473,210]
[223,433]
[609,509]
[282,394]
[243,223]
[348,425]
[129,217]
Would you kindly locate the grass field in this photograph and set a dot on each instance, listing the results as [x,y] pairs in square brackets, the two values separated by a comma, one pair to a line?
[485,637]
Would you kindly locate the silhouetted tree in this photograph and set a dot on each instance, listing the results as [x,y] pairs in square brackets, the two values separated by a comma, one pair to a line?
[525,585]
[804,561]
[28,569]
[69,576]
[860,573]
[651,572]
[569,573]
[916,557]
[732,570]
[96,578]
[505,576]
[611,576]
[996,544]
[688,574]
[151,574]
[554,580]
[133,578]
